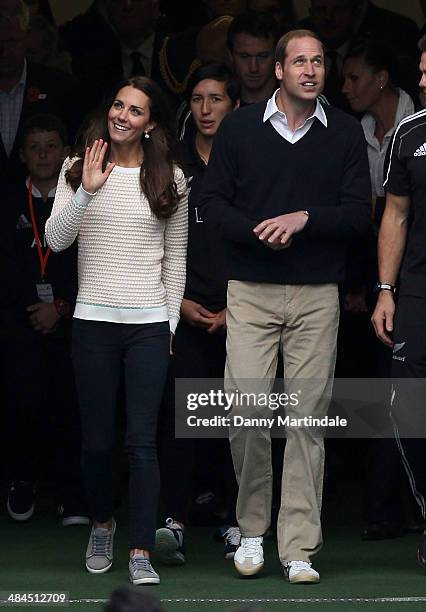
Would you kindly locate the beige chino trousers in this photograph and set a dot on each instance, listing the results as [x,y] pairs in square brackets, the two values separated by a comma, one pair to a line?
[303,319]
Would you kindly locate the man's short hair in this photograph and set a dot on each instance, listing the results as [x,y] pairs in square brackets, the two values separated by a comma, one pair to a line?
[282,44]
[422,44]
[44,123]
[18,11]
[254,23]
[217,72]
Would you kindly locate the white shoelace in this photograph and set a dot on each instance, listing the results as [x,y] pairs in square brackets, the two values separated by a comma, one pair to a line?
[251,546]
[299,566]
[171,524]
[233,536]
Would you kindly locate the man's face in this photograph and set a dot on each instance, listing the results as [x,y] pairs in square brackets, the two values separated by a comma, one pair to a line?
[302,74]
[253,60]
[43,153]
[422,82]
[333,20]
[12,49]
[210,103]
[130,16]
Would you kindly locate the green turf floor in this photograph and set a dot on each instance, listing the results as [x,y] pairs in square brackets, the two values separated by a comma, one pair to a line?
[41,555]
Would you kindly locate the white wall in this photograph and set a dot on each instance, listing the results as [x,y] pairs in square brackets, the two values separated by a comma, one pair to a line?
[66,10]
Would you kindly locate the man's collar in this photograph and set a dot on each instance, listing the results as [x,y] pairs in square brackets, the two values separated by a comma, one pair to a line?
[272,108]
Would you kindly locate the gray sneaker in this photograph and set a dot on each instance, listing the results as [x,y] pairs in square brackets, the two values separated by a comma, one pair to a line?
[141,571]
[99,550]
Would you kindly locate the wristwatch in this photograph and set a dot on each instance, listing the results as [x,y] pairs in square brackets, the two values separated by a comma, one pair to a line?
[62,308]
[379,286]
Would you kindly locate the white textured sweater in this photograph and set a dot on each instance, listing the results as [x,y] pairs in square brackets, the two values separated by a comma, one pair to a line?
[131,265]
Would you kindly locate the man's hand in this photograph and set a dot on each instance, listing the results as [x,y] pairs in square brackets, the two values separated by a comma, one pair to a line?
[219,323]
[278,232]
[196,315]
[43,317]
[383,315]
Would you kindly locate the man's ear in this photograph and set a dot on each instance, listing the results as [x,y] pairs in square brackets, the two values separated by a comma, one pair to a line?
[279,71]
[237,104]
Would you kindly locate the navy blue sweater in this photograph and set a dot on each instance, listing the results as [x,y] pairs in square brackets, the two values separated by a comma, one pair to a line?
[255,174]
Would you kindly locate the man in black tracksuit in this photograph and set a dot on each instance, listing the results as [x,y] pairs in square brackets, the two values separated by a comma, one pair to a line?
[402,259]
[37,298]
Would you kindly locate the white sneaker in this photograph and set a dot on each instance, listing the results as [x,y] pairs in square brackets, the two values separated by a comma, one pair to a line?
[248,558]
[301,572]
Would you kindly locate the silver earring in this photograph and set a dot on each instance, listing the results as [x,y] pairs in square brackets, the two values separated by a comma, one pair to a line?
[147,135]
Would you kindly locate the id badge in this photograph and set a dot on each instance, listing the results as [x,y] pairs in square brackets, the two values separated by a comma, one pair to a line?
[45,292]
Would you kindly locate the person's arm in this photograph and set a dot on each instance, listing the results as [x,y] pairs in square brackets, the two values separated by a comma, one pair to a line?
[391,245]
[350,219]
[67,214]
[216,202]
[69,208]
[173,270]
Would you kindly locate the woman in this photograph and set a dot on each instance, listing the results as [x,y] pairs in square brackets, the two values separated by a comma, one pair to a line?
[370,85]
[370,73]
[125,201]
[199,348]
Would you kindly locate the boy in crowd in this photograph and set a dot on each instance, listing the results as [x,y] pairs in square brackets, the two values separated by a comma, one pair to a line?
[36,303]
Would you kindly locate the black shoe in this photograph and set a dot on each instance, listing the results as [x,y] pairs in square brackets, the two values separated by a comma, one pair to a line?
[169,545]
[20,501]
[421,552]
[381,531]
[232,542]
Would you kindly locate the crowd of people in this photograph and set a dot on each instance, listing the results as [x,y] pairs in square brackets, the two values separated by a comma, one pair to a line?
[201,196]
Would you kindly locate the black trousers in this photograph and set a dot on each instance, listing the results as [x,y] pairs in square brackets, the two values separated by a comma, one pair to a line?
[196,354]
[99,351]
[408,403]
[42,418]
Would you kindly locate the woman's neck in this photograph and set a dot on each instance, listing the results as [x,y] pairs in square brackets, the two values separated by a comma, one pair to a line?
[127,157]
[384,113]
[203,144]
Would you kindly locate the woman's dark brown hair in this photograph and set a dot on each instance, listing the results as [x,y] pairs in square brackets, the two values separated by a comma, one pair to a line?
[157,174]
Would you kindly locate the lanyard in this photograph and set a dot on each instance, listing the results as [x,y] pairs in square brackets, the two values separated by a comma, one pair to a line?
[43,258]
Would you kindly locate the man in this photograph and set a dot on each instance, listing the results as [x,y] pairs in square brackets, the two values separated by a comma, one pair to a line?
[402,261]
[287,187]
[27,89]
[113,40]
[251,42]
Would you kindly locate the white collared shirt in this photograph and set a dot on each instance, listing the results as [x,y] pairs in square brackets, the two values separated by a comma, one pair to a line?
[146,49]
[279,121]
[36,193]
[377,153]
[10,111]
